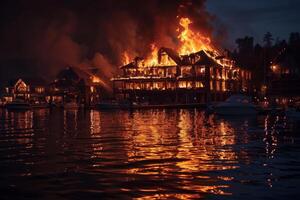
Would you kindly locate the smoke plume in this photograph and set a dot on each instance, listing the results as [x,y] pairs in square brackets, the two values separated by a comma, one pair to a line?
[53,34]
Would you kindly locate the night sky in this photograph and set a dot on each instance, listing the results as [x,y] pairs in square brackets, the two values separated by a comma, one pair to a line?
[256,17]
[44,36]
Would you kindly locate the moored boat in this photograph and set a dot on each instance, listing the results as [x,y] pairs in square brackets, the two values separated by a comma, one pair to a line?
[236,105]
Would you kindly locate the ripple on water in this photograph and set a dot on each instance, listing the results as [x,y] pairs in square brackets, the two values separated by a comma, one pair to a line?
[147,154]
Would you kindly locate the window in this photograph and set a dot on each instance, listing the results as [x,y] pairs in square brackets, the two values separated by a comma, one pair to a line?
[39,89]
[92,89]
[200,71]
[21,87]
[182,84]
[199,84]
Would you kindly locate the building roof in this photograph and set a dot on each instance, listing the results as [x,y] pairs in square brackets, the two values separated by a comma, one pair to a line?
[131,65]
[68,74]
[32,81]
[206,59]
[171,53]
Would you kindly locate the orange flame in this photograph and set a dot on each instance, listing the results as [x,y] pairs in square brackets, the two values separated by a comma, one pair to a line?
[125,58]
[191,42]
[152,59]
[96,79]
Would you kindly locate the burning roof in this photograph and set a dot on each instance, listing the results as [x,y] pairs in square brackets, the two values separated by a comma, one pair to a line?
[193,48]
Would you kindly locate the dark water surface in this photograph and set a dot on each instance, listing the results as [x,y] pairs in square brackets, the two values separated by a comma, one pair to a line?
[149,154]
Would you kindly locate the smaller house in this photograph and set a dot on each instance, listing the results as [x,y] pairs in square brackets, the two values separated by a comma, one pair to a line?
[284,78]
[75,85]
[32,90]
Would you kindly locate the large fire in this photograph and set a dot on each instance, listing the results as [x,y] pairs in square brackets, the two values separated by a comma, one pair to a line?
[95,79]
[189,42]
[125,58]
[152,58]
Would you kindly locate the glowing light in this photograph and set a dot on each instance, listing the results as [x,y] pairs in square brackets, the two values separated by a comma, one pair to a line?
[152,59]
[191,42]
[125,58]
[274,68]
[96,79]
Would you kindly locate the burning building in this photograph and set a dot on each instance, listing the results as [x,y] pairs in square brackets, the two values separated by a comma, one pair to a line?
[75,85]
[195,73]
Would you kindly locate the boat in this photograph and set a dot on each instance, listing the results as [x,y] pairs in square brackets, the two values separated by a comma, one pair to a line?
[71,106]
[18,105]
[292,113]
[236,105]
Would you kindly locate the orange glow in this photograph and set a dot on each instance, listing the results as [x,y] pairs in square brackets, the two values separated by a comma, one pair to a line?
[125,58]
[191,42]
[96,79]
[274,68]
[152,59]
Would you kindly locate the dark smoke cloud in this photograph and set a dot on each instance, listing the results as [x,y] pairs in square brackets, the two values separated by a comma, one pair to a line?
[53,34]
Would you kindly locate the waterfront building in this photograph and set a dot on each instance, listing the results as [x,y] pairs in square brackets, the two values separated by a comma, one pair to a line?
[284,79]
[199,77]
[75,85]
[31,90]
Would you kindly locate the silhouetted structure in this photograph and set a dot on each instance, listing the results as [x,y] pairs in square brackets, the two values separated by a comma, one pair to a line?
[275,65]
[75,85]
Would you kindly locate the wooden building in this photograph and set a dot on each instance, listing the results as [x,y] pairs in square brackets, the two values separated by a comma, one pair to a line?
[31,90]
[284,79]
[75,85]
[196,78]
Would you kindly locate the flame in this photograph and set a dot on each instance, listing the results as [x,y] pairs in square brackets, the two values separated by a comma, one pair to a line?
[125,58]
[96,79]
[191,42]
[152,59]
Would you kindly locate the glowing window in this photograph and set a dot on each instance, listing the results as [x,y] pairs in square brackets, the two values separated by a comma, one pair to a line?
[21,87]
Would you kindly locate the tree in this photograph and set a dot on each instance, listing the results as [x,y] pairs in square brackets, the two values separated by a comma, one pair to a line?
[245,45]
[294,39]
[268,40]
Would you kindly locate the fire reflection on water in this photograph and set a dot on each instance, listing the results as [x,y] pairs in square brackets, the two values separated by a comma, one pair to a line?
[163,154]
[182,144]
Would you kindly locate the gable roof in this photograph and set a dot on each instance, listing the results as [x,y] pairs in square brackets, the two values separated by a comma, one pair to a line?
[68,73]
[206,59]
[171,53]
[32,81]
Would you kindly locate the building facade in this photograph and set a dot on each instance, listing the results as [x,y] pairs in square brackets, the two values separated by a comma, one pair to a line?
[74,85]
[196,78]
[70,85]
[284,79]
[31,90]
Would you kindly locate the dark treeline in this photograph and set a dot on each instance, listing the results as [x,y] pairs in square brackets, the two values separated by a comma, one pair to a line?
[259,57]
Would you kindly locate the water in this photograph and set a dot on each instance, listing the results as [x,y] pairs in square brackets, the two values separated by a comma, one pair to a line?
[149,154]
